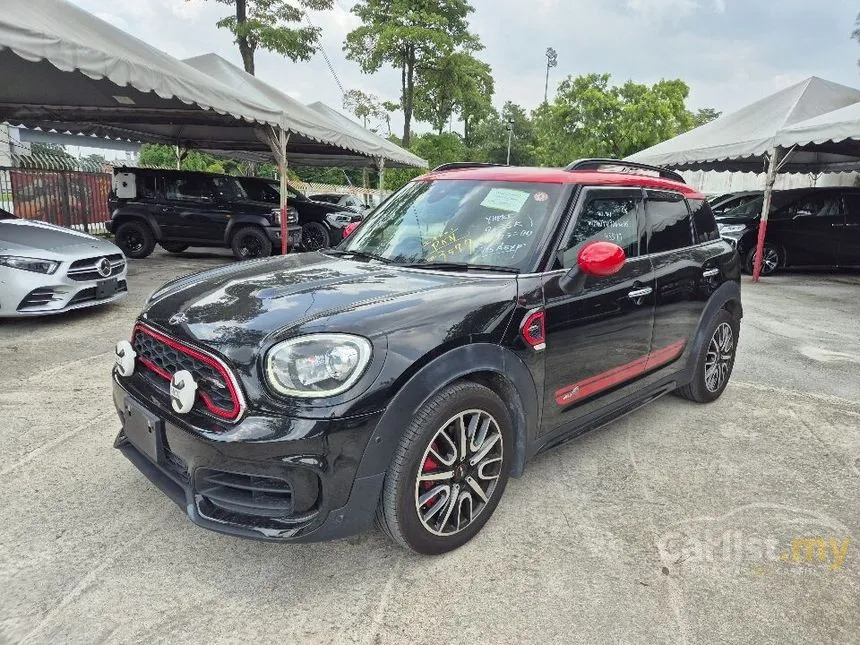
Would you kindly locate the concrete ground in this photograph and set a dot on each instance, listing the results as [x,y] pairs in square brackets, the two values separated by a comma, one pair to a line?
[735,522]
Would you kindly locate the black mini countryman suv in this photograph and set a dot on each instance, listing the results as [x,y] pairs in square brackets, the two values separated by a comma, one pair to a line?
[479,316]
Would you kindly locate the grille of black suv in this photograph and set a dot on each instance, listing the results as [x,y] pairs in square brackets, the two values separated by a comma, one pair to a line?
[162,357]
[85,270]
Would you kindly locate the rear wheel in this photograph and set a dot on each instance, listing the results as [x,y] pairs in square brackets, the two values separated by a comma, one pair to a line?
[135,239]
[715,362]
[449,471]
[315,236]
[772,259]
[173,247]
[249,243]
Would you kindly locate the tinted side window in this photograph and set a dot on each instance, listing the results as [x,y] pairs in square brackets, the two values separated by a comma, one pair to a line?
[191,188]
[668,222]
[612,219]
[704,224]
[146,187]
[815,206]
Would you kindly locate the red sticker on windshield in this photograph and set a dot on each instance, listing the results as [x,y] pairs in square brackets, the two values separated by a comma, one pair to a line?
[541,197]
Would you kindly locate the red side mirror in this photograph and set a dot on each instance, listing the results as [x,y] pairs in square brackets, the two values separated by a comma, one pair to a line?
[601,259]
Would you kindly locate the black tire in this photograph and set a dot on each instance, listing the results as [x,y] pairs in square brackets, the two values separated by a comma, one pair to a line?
[135,238]
[774,259]
[315,236]
[173,247]
[397,514]
[249,243]
[704,388]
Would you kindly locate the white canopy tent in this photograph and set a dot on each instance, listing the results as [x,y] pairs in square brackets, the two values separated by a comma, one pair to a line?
[776,133]
[63,69]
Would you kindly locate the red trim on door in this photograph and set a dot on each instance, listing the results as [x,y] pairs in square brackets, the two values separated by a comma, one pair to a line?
[594,384]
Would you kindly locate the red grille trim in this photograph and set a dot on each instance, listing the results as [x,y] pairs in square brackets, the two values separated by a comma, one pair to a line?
[235,395]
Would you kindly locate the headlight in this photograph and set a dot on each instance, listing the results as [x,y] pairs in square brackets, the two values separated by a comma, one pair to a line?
[732,228]
[29,264]
[317,365]
[339,219]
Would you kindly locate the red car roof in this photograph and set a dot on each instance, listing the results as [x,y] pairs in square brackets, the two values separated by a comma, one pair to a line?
[559,176]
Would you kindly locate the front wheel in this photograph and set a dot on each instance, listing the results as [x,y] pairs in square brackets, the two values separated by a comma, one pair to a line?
[715,361]
[449,471]
[249,243]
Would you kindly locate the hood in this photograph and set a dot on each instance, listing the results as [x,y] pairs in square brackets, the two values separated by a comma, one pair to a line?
[737,220]
[235,308]
[42,240]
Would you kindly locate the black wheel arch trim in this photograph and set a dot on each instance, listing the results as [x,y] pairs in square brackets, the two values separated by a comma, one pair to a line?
[122,217]
[239,221]
[455,365]
[726,293]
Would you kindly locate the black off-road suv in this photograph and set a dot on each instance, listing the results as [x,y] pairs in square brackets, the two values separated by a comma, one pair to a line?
[322,224]
[477,317]
[181,208]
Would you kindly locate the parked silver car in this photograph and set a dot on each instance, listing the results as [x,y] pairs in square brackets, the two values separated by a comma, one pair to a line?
[45,269]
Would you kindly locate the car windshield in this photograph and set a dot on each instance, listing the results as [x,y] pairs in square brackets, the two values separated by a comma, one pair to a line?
[745,211]
[229,188]
[459,222]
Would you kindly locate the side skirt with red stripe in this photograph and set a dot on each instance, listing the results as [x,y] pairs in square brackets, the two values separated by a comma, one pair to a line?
[610,378]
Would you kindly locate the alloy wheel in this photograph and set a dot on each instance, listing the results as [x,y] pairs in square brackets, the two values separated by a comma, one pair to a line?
[718,360]
[133,241]
[250,247]
[314,236]
[770,260]
[459,472]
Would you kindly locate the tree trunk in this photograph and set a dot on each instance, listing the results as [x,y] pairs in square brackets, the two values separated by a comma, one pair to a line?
[466,136]
[408,78]
[245,48]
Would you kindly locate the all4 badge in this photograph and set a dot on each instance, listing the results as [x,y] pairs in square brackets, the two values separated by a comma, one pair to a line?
[183,389]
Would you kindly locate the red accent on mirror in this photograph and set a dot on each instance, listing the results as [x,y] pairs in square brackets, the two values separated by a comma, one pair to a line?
[534,329]
[601,258]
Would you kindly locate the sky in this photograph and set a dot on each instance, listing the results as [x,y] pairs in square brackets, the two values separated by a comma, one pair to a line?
[730,52]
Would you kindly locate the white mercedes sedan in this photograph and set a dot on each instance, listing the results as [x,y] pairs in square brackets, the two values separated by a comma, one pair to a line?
[46,269]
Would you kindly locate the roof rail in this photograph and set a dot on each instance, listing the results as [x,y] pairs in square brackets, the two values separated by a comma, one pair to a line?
[456,165]
[620,165]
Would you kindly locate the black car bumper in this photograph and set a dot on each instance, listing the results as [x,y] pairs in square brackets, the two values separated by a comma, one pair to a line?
[294,236]
[296,482]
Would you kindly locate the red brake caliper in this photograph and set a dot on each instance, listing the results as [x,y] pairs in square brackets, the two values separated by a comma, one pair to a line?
[429,466]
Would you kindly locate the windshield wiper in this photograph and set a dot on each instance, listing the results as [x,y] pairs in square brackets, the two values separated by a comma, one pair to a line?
[357,254]
[461,266]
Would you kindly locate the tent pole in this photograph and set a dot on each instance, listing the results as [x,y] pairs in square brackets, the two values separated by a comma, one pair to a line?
[772,167]
[283,139]
[380,164]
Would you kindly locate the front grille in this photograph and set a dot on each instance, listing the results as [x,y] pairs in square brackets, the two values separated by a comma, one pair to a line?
[85,295]
[162,357]
[40,297]
[86,270]
[246,494]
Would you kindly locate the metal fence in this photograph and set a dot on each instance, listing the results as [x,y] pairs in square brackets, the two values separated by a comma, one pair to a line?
[59,190]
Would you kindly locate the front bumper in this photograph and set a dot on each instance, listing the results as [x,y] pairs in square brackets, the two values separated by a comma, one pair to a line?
[276,479]
[23,293]
[294,236]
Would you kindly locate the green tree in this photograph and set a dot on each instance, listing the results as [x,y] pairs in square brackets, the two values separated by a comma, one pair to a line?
[491,137]
[592,118]
[365,106]
[50,149]
[705,115]
[265,24]
[408,34]
[454,83]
